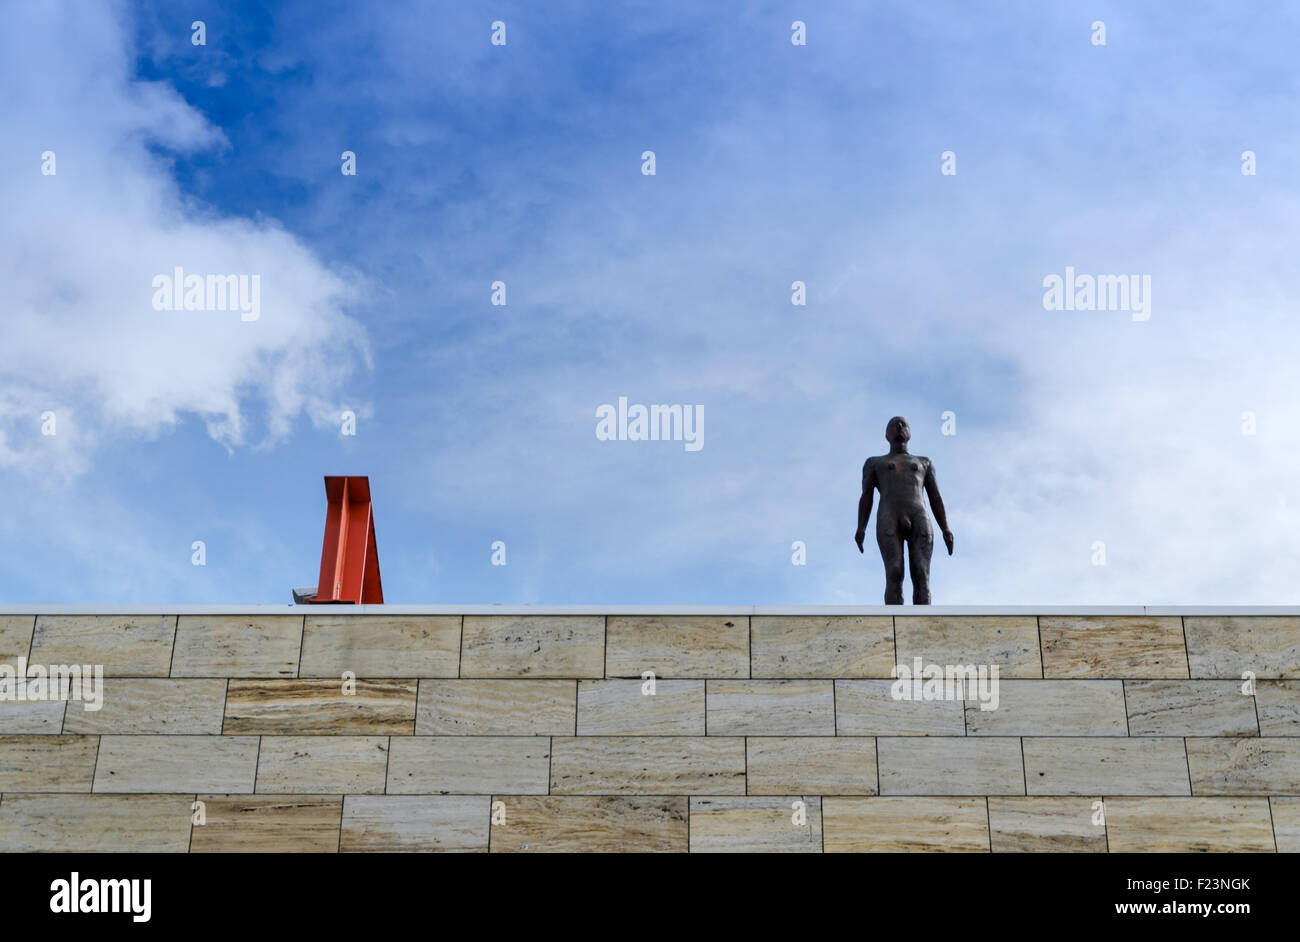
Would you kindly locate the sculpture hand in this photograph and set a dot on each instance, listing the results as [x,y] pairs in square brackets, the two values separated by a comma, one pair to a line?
[857,538]
[947,540]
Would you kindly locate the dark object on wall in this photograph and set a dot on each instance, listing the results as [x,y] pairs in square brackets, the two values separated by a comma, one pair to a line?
[902,519]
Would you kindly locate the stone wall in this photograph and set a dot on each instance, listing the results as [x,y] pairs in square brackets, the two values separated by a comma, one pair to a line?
[529,732]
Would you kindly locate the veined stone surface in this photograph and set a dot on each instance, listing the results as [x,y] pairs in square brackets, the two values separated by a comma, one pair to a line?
[509,730]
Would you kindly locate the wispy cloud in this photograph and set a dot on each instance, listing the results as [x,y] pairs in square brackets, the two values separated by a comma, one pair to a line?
[82,339]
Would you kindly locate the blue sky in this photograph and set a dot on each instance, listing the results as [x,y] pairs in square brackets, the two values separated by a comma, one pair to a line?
[775,163]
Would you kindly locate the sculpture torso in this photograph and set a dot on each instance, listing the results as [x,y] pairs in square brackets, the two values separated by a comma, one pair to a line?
[900,478]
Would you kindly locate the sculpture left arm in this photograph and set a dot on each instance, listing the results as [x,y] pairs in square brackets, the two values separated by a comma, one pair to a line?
[936,505]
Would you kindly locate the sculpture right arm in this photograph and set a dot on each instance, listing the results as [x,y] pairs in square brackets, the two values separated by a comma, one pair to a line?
[864,503]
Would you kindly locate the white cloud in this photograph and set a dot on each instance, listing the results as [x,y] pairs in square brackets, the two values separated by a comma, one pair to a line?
[79,251]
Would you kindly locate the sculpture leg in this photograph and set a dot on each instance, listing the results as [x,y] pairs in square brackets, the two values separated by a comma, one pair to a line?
[891,553]
[920,546]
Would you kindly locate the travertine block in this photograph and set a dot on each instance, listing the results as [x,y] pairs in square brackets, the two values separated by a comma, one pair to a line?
[1010,642]
[830,647]
[496,708]
[560,646]
[1046,825]
[295,707]
[554,824]
[1113,647]
[469,765]
[622,708]
[235,646]
[1075,765]
[125,645]
[942,765]
[323,765]
[47,763]
[648,765]
[676,647]
[388,824]
[225,764]
[771,707]
[1189,825]
[381,646]
[891,825]
[1229,646]
[735,824]
[811,765]
[1189,708]
[140,706]
[268,824]
[95,824]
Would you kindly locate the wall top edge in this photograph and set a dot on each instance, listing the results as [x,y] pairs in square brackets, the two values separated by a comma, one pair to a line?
[645,610]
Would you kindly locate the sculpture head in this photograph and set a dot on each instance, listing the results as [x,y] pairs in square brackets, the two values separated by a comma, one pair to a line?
[898,431]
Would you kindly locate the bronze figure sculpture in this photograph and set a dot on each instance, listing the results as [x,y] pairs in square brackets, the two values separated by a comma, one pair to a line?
[900,477]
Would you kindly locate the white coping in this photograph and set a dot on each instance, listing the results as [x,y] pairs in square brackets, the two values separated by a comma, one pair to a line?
[650,610]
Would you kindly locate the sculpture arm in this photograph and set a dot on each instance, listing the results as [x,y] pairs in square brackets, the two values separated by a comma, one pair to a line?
[864,510]
[864,503]
[936,505]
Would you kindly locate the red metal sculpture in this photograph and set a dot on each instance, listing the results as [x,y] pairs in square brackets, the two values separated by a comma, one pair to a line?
[349,560]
